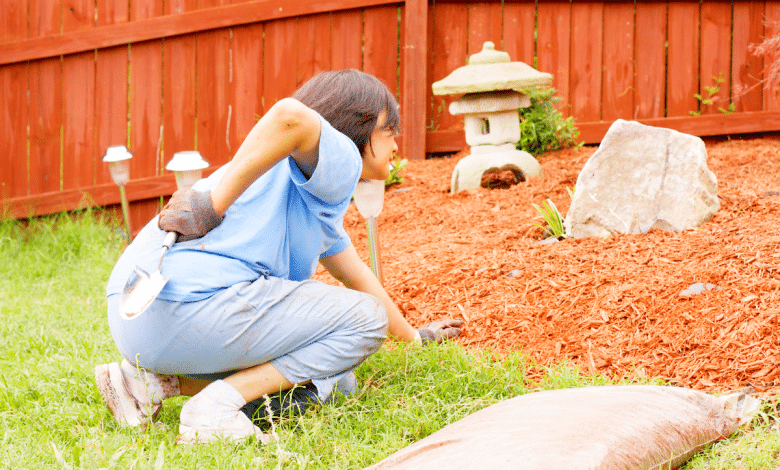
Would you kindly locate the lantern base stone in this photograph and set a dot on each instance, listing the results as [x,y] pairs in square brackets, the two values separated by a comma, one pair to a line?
[469,170]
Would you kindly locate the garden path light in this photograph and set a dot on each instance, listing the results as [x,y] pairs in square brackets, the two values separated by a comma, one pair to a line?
[369,197]
[118,159]
[188,168]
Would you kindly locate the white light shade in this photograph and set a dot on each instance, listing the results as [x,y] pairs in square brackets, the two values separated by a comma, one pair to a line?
[369,196]
[117,153]
[118,159]
[186,161]
[187,167]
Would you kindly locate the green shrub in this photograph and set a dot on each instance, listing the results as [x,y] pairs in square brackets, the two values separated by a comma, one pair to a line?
[542,127]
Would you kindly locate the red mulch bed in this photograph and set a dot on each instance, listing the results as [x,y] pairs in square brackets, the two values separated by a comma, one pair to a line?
[610,306]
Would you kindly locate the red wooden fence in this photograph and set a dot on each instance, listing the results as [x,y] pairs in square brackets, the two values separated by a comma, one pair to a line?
[77,76]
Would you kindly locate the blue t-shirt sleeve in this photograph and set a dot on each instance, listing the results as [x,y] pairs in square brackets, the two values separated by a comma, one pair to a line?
[340,245]
[330,188]
[338,168]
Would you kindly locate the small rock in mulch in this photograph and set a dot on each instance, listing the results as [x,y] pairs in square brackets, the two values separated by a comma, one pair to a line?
[697,288]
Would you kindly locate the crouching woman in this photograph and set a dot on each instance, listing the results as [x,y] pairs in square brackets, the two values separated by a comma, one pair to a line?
[240,318]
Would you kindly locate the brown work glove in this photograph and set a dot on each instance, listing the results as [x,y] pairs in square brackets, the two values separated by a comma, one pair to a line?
[189,213]
[438,331]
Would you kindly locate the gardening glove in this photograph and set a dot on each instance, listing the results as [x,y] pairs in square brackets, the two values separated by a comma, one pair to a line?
[438,331]
[189,213]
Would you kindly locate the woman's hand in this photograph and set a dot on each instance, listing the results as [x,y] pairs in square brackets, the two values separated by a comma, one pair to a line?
[189,213]
[438,331]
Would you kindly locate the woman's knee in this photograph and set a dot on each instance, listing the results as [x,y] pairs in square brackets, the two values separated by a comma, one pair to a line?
[374,323]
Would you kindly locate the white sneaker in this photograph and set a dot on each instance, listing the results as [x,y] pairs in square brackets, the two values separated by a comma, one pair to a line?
[134,396]
[214,414]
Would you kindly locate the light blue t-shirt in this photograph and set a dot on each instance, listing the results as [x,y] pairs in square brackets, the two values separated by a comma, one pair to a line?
[280,226]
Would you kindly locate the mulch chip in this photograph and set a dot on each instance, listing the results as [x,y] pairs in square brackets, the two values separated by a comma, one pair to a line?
[699,308]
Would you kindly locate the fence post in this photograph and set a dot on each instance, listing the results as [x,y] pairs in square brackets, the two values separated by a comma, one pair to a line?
[413,91]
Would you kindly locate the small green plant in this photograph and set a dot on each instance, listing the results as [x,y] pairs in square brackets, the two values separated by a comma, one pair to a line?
[395,177]
[542,127]
[732,107]
[709,100]
[553,218]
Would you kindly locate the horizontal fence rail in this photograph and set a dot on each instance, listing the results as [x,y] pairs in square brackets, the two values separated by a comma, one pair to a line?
[77,76]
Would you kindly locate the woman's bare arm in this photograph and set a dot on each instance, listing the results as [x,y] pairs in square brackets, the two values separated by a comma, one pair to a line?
[348,268]
[288,128]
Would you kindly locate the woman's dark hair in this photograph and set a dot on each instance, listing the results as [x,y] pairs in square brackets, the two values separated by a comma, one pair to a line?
[351,101]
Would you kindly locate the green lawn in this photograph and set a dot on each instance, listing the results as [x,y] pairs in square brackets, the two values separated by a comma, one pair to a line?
[52,302]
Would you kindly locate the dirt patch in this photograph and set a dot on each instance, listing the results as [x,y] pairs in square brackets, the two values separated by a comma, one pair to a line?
[611,306]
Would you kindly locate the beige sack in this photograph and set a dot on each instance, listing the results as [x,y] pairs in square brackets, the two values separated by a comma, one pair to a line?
[618,427]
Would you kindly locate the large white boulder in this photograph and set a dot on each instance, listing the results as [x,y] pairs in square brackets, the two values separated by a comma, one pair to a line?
[643,178]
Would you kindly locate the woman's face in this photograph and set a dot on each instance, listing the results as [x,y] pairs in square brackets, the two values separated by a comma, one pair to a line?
[380,149]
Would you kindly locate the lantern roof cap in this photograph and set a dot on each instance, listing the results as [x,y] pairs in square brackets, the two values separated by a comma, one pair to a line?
[490,70]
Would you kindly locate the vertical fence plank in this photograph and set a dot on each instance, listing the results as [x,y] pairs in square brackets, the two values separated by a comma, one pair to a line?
[214,89]
[618,84]
[248,80]
[519,19]
[13,113]
[347,39]
[649,99]
[554,46]
[146,80]
[381,45]
[175,7]
[449,52]
[313,49]
[45,95]
[415,81]
[747,67]
[13,131]
[402,62]
[13,22]
[715,55]
[683,58]
[429,60]
[79,153]
[110,104]
[585,95]
[78,84]
[45,122]
[179,84]
[279,72]
[111,89]
[485,24]
[771,89]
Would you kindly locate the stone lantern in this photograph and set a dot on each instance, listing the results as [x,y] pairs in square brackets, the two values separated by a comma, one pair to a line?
[492,86]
